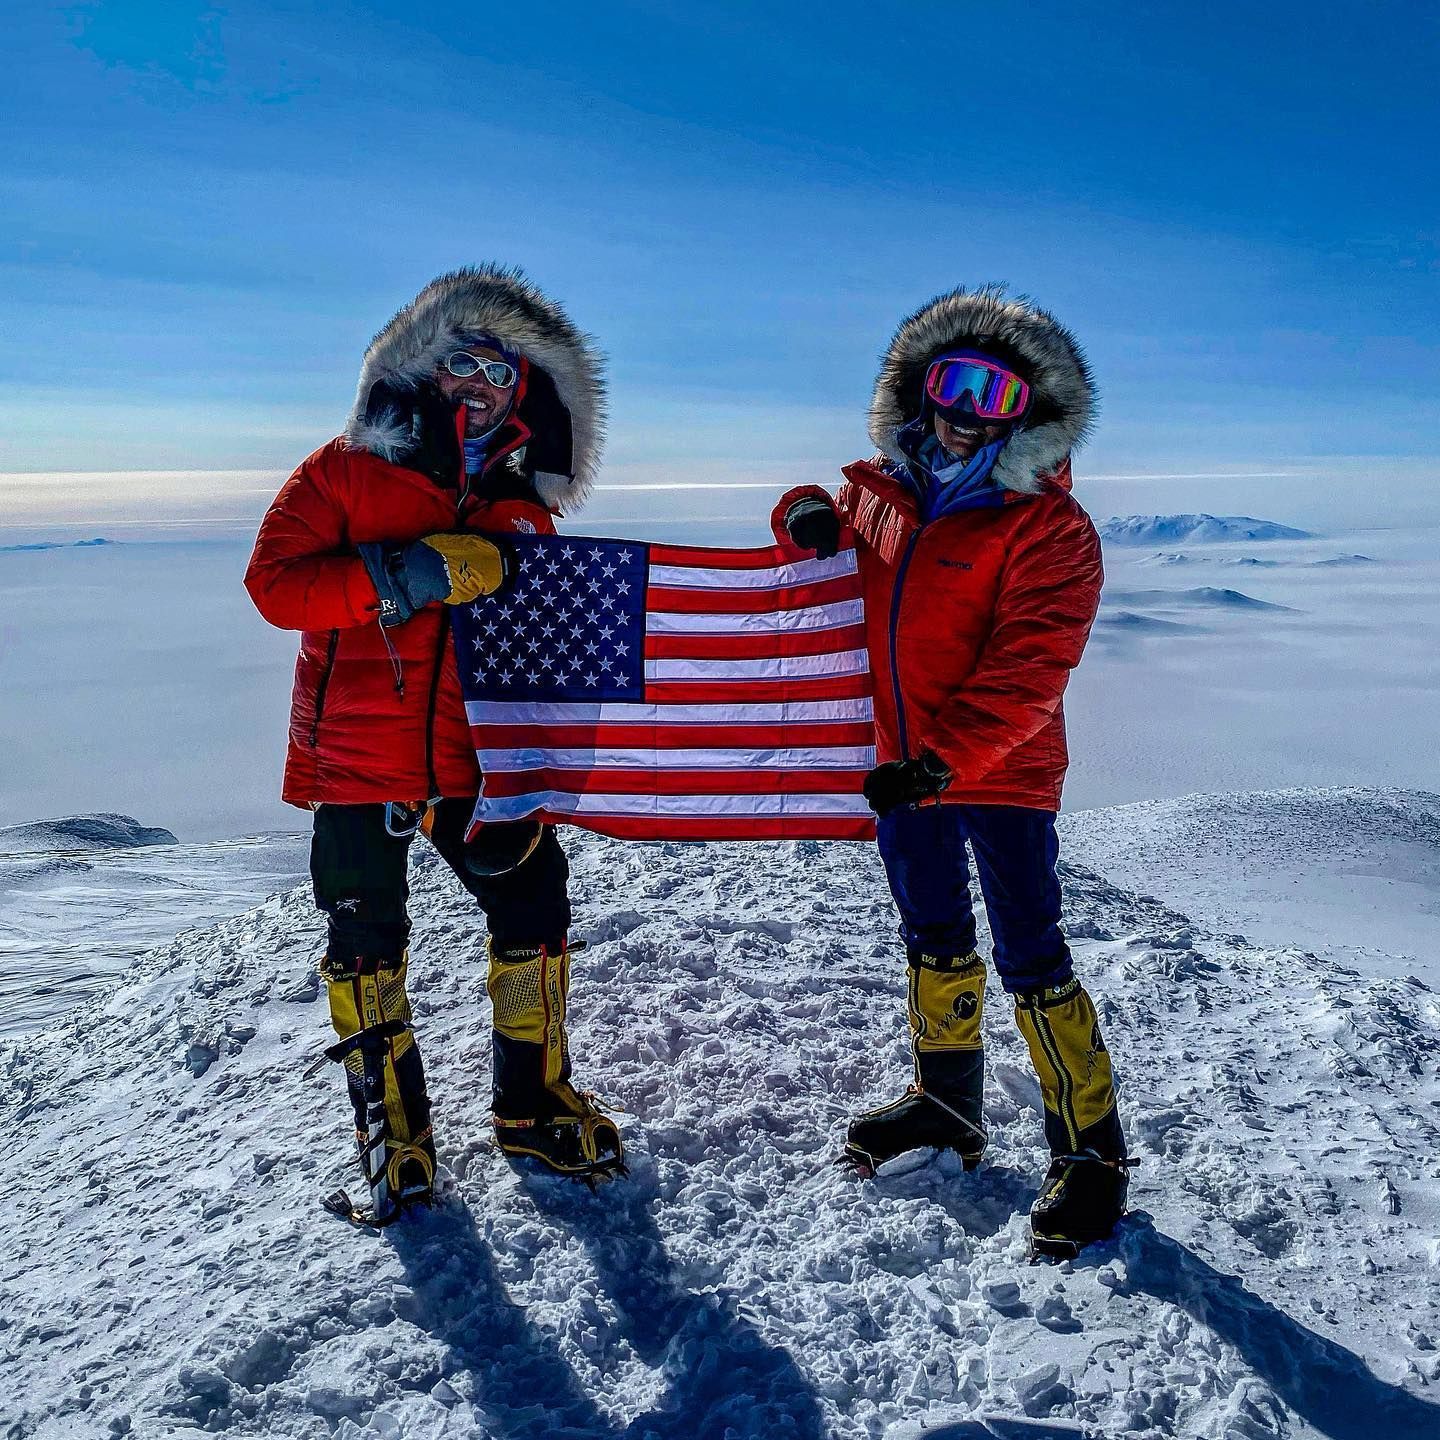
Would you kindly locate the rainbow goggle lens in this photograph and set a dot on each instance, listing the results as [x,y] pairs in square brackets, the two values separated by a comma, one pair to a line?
[995,393]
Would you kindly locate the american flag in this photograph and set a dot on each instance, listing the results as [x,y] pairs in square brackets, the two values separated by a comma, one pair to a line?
[667,691]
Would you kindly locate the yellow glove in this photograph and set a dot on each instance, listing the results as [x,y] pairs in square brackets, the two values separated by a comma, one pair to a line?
[438,570]
[474,565]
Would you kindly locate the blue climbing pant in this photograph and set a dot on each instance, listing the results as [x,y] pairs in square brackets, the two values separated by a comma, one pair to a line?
[1015,851]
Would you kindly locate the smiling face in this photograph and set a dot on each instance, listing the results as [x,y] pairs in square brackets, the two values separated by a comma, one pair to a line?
[485,404]
[964,441]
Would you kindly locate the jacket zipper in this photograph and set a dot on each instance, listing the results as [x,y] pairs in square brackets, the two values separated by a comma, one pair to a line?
[462,496]
[322,687]
[430,709]
[895,642]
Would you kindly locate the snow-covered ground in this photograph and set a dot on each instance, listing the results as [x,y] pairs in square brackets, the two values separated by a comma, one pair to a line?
[165,1270]
[1353,874]
[82,898]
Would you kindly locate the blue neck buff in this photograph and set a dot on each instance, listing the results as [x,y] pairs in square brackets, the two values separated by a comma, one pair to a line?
[475,452]
[477,447]
[956,484]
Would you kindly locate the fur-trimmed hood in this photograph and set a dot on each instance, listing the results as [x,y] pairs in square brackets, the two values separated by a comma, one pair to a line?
[1014,330]
[493,300]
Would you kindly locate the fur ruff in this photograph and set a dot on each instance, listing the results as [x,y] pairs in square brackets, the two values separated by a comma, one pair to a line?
[1063,411]
[491,300]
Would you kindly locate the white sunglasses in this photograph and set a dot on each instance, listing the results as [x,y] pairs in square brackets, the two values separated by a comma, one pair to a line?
[462,365]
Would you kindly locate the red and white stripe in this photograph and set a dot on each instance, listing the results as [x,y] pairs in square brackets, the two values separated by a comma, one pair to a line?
[757,723]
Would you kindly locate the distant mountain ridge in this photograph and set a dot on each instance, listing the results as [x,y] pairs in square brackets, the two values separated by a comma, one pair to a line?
[1252,562]
[81,832]
[1211,595]
[55,545]
[1178,557]
[1194,529]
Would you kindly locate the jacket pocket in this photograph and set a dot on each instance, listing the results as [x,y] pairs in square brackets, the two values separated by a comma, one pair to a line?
[321,686]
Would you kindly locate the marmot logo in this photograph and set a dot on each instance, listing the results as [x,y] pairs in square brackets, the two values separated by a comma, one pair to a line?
[965,1006]
[524,526]
[956,564]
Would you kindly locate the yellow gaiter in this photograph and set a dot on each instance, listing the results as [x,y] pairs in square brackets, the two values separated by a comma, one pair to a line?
[1062,1032]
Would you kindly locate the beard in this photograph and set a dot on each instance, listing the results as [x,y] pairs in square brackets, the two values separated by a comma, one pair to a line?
[481,421]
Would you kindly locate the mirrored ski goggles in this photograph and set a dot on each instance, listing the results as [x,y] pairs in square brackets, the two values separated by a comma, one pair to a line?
[995,392]
[462,365]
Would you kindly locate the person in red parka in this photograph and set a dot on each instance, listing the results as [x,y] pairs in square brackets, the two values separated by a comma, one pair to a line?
[480,409]
[981,577]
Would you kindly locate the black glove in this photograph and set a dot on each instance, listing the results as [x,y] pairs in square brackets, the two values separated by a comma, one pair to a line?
[432,446]
[906,782]
[812,524]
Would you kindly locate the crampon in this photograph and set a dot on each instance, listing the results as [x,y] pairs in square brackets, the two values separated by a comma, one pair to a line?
[408,1185]
[584,1145]
[1080,1203]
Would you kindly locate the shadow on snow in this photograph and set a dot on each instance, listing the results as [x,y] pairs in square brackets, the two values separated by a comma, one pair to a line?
[721,1376]
[1325,1384]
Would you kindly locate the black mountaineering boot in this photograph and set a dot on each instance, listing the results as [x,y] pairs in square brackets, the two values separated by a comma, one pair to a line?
[579,1140]
[918,1120]
[942,1109]
[538,1113]
[1084,1191]
[1081,1201]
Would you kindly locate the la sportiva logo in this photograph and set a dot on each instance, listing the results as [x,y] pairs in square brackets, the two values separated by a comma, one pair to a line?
[965,1006]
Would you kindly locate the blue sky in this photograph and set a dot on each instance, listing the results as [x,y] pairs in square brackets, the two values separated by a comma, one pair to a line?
[205,212]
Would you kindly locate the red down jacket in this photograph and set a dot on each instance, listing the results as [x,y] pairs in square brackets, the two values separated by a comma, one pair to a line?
[973,624]
[975,620]
[377,714]
[366,724]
